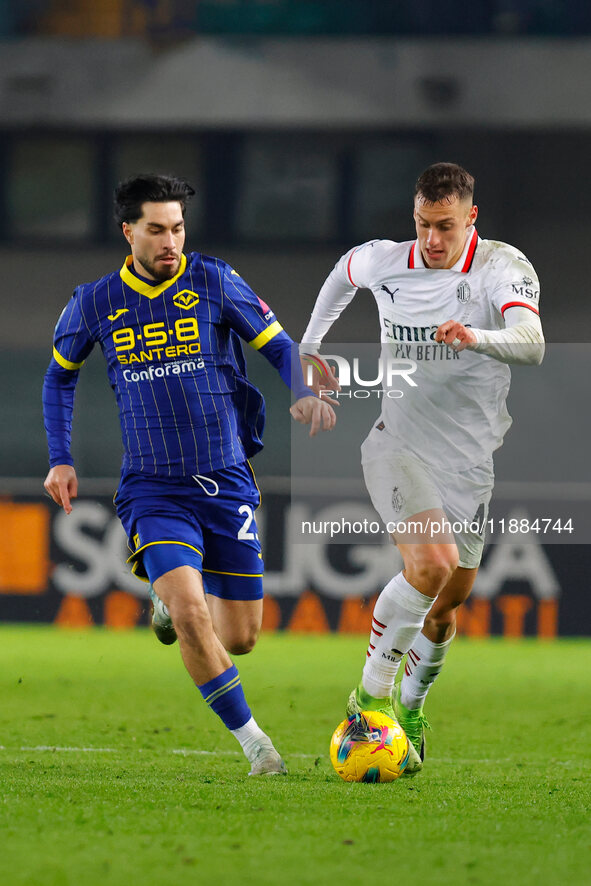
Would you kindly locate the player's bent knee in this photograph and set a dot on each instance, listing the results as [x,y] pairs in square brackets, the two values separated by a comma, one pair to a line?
[434,571]
[243,645]
[239,639]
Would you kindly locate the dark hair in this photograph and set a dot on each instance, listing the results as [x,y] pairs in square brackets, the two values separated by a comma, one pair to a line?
[132,193]
[441,182]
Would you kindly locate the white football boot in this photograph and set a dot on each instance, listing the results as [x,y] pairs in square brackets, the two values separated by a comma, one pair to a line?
[265,760]
[161,620]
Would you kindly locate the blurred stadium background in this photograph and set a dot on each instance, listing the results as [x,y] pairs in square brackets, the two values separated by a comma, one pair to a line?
[303,126]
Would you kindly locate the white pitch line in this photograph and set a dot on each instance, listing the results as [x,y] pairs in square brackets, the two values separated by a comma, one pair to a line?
[190,752]
[196,752]
[185,752]
[49,747]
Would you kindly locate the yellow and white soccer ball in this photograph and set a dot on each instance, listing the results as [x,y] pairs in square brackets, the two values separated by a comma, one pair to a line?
[369,747]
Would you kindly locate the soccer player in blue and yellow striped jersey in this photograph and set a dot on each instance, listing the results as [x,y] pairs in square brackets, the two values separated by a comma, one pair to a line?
[169,326]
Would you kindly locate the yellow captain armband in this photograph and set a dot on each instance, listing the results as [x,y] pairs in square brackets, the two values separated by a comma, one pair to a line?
[266,335]
[67,364]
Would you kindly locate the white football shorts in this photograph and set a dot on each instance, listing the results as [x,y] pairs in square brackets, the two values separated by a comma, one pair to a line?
[401,485]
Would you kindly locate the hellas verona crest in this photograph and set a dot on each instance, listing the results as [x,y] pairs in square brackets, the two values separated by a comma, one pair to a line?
[185,299]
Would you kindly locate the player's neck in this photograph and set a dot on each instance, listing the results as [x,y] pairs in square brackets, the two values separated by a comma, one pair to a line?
[140,272]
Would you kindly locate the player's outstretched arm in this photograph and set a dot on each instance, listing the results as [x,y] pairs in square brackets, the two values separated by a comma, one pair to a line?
[62,485]
[314,412]
[520,342]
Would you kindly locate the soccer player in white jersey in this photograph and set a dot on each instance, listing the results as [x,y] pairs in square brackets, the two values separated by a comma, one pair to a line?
[461,308]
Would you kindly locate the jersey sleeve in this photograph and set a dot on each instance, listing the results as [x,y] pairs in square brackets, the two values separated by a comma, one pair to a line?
[517,286]
[246,313]
[516,297]
[521,341]
[351,272]
[357,265]
[72,343]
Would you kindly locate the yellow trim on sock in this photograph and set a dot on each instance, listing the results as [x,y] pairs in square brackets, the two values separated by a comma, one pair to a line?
[221,690]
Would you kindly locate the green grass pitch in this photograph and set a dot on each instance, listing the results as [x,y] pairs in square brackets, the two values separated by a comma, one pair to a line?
[115,772]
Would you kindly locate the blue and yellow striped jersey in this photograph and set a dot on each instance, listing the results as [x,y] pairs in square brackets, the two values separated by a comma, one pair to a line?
[175,363]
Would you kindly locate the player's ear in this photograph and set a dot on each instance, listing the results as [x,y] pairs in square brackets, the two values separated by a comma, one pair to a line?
[473,214]
[127,232]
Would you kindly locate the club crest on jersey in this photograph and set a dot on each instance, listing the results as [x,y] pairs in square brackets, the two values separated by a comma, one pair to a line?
[463,293]
[185,299]
[397,499]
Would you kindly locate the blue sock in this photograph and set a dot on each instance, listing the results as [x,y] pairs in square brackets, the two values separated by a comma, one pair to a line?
[225,696]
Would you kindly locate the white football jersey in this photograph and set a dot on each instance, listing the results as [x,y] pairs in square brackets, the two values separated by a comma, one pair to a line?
[456,415]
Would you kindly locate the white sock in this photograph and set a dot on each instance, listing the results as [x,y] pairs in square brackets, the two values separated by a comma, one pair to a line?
[398,617]
[424,661]
[249,736]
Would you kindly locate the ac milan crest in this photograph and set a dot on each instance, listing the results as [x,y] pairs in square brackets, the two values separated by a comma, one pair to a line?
[397,499]
[463,293]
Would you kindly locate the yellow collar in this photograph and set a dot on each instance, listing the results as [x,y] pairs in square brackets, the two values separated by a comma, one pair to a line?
[144,288]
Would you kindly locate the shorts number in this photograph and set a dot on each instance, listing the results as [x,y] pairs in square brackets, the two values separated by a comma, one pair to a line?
[243,533]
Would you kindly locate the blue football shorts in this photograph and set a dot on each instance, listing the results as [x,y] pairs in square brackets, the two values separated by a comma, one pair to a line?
[205,521]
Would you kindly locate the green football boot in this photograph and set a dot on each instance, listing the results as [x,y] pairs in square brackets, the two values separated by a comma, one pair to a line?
[161,620]
[360,700]
[414,723]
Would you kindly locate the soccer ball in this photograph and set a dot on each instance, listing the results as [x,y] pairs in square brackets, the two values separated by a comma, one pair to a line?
[369,747]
